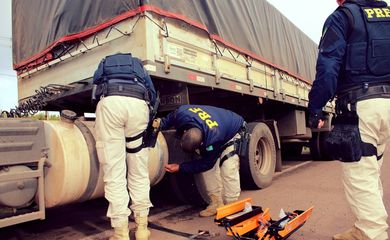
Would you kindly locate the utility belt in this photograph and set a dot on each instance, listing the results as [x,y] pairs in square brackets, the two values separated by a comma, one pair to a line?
[241,145]
[124,89]
[344,141]
[355,94]
[135,90]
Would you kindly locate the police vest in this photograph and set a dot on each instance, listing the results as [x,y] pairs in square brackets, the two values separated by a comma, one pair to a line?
[124,75]
[368,46]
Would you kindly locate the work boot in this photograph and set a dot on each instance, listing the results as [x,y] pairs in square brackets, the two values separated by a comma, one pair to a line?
[211,210]
[142,232]
[121,233]
[351,234]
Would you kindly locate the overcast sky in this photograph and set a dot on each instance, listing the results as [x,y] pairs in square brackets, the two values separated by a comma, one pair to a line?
[308,15]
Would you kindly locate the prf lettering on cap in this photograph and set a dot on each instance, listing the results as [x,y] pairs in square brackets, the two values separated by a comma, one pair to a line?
[377,14]
[204,116]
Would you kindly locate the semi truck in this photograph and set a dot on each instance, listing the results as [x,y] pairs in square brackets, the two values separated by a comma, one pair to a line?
[244,56]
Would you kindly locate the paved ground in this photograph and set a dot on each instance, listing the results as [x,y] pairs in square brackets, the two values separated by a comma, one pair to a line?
[315,184]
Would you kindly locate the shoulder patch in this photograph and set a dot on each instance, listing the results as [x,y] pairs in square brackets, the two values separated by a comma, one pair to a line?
[328,41]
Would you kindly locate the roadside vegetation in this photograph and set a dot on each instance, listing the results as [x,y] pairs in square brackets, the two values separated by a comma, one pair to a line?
[38,116]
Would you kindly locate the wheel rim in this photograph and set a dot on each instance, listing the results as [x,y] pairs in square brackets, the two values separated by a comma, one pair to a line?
[262,154]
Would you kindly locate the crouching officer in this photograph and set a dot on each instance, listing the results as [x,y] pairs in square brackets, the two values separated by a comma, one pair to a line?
[213,131]
[354,66]
[125,93]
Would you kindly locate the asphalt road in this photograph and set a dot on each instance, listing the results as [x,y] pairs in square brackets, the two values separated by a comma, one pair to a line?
[309,184]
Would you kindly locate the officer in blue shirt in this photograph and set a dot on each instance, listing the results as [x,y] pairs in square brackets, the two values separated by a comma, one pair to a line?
[212,131]
[353,66]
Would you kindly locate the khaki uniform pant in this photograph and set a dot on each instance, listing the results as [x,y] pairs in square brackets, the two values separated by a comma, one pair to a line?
[224,180]
[362,182]
[118,117]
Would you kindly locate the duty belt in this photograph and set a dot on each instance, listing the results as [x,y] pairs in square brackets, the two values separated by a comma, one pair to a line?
[365,92]
[351,97]
[127,90]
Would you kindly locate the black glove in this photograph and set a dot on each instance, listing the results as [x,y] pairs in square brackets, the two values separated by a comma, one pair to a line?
[314,119]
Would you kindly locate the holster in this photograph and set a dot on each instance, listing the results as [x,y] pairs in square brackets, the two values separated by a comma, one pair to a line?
[149,139]
[151,133]
[344,141]
[243,144]
[150,136]
[97,92]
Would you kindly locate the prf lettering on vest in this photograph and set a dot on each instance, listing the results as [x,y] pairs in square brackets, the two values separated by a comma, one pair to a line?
[377,12]
[205,117]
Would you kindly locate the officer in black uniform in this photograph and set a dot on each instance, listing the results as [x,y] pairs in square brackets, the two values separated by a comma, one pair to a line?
[213,131]
[353,66]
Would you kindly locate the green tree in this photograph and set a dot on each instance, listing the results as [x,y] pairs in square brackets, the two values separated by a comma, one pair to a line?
[44,115]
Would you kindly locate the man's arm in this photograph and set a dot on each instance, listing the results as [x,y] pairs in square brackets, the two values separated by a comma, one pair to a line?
[330,58]
[168,121]
[200,165]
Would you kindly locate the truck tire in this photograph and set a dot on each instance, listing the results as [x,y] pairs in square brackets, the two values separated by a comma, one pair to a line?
[184,187]
[257,168]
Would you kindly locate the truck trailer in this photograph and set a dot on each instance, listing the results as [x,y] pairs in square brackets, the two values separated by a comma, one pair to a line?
[244,56]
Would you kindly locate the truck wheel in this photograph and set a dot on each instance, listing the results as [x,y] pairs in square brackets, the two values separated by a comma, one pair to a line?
[184,187]
[257,168]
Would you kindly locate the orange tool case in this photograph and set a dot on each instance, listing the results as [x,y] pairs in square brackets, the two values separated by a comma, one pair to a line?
[242,220]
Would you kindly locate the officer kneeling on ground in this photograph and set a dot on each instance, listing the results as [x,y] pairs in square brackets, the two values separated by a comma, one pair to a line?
[212,132]
[125,93]
[354,66]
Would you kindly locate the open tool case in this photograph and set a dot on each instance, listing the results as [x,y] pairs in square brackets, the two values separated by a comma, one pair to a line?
[242,220]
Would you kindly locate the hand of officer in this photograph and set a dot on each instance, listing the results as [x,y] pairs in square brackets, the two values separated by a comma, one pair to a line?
[320,123]
[172,168]
[156,123]
[316,120]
